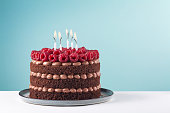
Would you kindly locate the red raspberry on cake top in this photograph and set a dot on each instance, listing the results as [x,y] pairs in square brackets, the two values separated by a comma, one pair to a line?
[33,54]
[82,57]
[44,56]
[90,55]
[63,57]
[57,52]
[74,57]
[37,55]
[53,58]
[68,52]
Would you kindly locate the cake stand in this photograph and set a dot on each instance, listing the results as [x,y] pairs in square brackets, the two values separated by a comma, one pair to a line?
[106,95]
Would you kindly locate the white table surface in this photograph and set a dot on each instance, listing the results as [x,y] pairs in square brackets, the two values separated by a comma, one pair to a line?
[122,102]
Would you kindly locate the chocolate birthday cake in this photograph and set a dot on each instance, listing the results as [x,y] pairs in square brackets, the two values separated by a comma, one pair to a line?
[66,74]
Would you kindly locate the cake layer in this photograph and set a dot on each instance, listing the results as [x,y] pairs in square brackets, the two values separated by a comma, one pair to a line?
[64,96]
[65,83]
[82,69]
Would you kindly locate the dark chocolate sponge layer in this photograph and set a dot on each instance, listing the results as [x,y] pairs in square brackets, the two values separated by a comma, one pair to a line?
[82,69]
[65,83]
[64,96]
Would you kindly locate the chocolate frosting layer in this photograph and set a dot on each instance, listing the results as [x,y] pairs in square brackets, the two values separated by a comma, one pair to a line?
[68,70]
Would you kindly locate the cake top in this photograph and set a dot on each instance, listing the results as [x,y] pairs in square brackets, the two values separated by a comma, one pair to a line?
[65,55]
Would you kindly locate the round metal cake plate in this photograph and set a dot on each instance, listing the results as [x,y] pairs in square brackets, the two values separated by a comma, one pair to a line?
[106,95]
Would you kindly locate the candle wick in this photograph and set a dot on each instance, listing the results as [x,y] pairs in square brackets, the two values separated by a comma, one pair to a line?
[54,39]
[75,41]
[60,39]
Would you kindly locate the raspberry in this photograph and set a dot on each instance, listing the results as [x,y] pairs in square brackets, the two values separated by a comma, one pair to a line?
[63,57]
[74,57]
[94,54]
[89,55]
[97,52]
[82,57]
[37,55]
[53,58]
[48,50]
[68,52]
[81,50]
[33,54]
[56,52]
[44,56]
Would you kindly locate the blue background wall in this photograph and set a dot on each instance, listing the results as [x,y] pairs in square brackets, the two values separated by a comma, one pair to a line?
[133,38]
